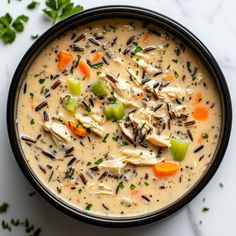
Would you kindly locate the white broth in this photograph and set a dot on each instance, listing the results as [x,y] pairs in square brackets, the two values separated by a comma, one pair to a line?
[118,118]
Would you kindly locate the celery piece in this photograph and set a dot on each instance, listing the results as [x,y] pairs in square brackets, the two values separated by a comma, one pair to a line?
[115,111]
[179,148]
[99,88]
[71,104]
[74,86]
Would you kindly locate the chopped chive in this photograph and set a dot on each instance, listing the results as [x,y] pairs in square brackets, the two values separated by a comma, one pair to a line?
[99,161]
[104,140]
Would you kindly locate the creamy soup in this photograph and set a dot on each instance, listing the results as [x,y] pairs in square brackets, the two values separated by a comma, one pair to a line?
[118,118]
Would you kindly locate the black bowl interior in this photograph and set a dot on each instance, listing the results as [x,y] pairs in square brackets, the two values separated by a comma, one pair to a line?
[119,12]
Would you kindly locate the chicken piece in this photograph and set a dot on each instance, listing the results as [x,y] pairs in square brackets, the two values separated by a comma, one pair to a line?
[177,109]
[128,103]
[161,141]
[174,92]
[151,70]
[134,77]
[114,165]
[126,131]
[103,189]
[97,115]
[140,157]
[199,78]
[88,122]
[123,88]
[59,132]
[126,202]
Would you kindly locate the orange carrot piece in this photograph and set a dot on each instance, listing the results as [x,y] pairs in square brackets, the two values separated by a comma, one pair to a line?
[83,66]
[64,59]
[146,37]
[97,103]
[170,78]
[164,169]
[80,131]
[68,185]
[140,96]
[200,113]
[97,56]
[135,192]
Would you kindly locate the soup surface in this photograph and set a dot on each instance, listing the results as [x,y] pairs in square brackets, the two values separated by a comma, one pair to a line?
[118,118]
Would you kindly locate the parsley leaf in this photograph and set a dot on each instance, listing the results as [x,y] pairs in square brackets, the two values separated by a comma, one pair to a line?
[33,5]
[132,186]
[60,9]
[88,207]
[9,28]
[4,207]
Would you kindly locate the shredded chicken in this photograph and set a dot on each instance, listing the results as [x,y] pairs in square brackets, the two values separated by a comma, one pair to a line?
[161,141]
[126,202]
[140,157]
[114,164]
[59,132]
[88,122]
[151,70]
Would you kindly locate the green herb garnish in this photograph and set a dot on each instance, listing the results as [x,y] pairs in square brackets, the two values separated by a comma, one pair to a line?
[99,161]
[124,144]
[104,140]
[115,137]
[89,163]
[205,136]
[41,81]
[60,9]
[34,36]
[132,186]
[88,207]
[4,207]
[9,28]
[33,5]
[137,50]
[32,122]
[205,209]
[175,61]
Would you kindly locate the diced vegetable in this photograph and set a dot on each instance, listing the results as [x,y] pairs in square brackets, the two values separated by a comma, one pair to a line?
[179,148]
[146,37]
[170,78]
[200,113]
[83,66]
[99,88]
[74,86]
[64,59]
[80,131]
[115,111]
[97,56]
[70,104]
[164,169]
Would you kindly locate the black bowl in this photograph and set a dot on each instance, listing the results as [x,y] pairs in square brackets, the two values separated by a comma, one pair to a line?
[120,12]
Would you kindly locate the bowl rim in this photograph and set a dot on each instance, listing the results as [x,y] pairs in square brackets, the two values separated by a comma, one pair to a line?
[93,14]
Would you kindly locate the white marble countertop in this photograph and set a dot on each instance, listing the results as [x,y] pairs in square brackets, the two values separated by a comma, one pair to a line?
[214,22]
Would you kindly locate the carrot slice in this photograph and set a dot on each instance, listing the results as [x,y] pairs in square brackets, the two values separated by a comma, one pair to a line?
[200,113]
[83,66]
[68,185]
[135,193]
[64,59]
[164,169]
[80,131]
[97,56]
[170,78]
[146,37]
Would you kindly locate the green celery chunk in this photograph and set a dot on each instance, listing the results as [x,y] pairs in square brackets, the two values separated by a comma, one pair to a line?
[71,104]
[74,86]
[115,111]
[99,88]
[179,147]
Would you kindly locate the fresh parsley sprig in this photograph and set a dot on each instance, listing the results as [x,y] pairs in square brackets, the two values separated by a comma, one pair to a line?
[60,9]
[9,28]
